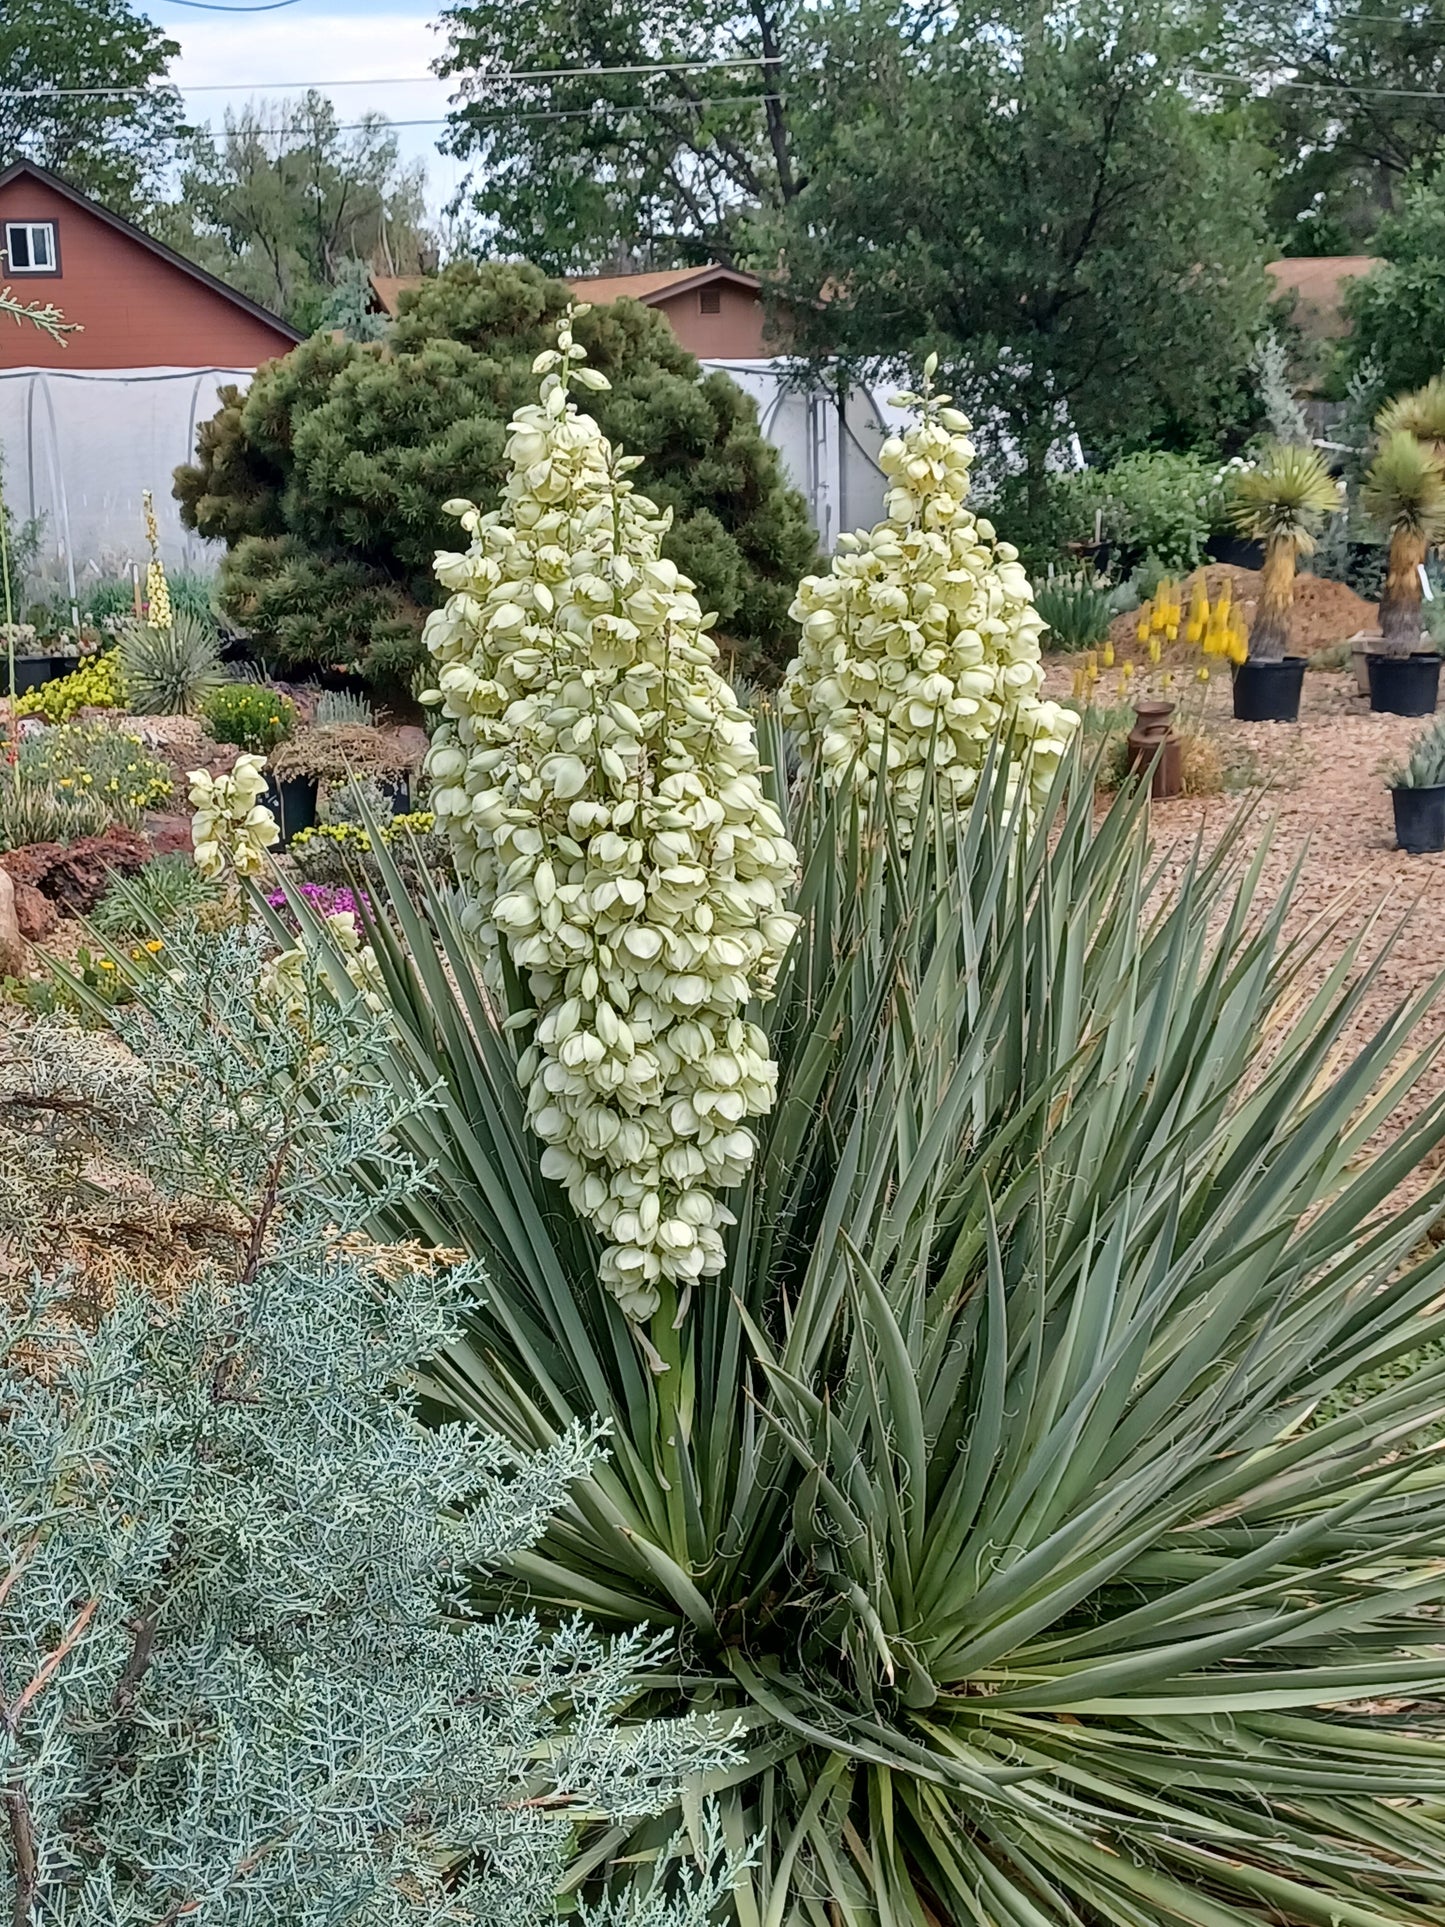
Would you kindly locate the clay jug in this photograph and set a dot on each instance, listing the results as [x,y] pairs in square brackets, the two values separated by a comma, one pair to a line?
[1152,742]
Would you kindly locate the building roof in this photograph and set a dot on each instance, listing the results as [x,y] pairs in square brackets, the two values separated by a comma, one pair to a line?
[650,288]
[19,170]
[389,288]
[659,285]
[1317,282]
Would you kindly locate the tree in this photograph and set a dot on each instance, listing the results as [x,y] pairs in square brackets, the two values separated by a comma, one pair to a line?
[55,57]
[239,1678]
[1032,196]
[642,168]
[1349,99]
[1404,494]
[284,205]
[327,479]
[1282,501]
[1397,312]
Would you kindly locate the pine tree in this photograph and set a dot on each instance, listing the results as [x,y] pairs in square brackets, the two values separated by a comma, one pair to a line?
[327,479]
[239,1680]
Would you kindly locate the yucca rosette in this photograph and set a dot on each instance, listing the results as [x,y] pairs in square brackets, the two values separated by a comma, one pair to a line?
[601,787]
[920,646]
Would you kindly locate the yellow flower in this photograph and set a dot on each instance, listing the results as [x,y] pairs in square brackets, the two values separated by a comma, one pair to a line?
[1108,655]
[106,964]
[1154,650]
[154,945]
[1201,674]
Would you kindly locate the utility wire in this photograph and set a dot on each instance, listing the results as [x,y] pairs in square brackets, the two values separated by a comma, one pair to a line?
[501,76]
[1267,81]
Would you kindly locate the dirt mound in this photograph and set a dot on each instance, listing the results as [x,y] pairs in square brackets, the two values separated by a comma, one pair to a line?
[1324,612]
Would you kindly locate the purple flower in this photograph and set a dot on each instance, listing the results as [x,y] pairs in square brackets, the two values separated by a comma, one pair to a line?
[327,899]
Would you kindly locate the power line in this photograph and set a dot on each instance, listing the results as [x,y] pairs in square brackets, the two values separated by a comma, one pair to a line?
[1317,86]
[509,114]
[213,6]
[498,78]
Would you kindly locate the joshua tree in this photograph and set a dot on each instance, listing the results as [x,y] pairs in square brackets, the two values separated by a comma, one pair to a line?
[1280,502]
[1404,493]
[1420,413]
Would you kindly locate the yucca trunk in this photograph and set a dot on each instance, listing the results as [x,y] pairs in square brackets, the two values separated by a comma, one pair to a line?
[1400,604]
[1269,632]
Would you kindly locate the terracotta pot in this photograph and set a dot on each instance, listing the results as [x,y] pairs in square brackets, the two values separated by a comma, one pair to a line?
[1153,745]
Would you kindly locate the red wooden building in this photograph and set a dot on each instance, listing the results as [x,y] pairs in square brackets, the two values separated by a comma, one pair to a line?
[138,303]
[88,423]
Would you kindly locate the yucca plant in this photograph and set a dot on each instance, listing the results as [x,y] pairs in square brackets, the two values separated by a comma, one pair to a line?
[170,671]
[1420,413]
[1281,502]
[1038,1490]
[1404,492]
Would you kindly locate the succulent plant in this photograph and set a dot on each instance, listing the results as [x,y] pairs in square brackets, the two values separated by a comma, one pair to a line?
[170,671]
[1425,769]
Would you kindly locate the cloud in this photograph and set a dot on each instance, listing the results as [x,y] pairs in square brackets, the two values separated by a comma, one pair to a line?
[285,49]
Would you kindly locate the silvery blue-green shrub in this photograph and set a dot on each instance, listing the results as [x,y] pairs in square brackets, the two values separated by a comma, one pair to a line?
[239,1680]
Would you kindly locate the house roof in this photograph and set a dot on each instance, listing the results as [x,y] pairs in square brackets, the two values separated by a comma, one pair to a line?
[650,288]
[389,288]
[19,170]
[1317,282]
[660,285]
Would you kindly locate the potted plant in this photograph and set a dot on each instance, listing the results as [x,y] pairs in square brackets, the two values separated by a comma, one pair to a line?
[1417,790]
[1404,492]
[332,753]
[1280,502]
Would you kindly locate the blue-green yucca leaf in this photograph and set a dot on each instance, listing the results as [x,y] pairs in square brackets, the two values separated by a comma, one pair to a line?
[1022,1486]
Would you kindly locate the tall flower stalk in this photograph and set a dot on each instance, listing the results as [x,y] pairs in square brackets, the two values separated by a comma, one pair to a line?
[601,787]
[922,641]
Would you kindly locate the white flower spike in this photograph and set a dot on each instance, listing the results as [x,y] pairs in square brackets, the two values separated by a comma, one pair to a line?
[923,636]
[601,787]
[232,828]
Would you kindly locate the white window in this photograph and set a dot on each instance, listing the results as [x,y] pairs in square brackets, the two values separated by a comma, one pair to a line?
[30,247]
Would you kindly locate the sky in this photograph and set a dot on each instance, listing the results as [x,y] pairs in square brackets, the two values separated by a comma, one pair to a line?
[230,58]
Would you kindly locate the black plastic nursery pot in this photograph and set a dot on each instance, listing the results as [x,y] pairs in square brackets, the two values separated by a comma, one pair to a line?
[293,805]
[33,671]
[1420,819]
[1268,692]
[1404,685]
[397,791]
[1238,550]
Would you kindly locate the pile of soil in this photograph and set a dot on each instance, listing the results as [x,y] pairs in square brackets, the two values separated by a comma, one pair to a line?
[1324,612]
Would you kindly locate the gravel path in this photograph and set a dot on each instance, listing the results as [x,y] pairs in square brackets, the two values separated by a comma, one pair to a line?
[1317,790]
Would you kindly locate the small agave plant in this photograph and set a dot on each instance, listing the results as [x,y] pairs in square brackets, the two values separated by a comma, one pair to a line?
[601,787]
[922,641]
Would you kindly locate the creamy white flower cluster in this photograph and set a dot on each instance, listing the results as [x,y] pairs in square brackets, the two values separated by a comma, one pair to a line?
[231,826]
[601,786]
[286,977]
[922,642]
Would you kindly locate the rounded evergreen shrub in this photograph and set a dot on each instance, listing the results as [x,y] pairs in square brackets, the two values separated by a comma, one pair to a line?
[326,479]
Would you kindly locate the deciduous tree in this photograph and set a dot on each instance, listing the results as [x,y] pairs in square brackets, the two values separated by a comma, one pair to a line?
[56,59]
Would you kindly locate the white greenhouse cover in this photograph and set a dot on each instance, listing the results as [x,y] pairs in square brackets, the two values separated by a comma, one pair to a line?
[79,448]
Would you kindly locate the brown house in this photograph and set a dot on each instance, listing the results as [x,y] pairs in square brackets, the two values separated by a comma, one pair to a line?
[715,312]
[138,303]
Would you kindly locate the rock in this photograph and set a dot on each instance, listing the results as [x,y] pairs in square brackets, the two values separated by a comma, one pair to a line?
[76,876]
[169,834]
[12,941]
[35,914]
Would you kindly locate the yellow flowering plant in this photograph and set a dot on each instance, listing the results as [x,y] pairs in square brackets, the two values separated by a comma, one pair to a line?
[158,593]
[97,684]
[601,787]
[921,643]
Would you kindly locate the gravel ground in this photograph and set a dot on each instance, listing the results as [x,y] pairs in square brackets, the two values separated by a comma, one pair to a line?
[1316,789]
